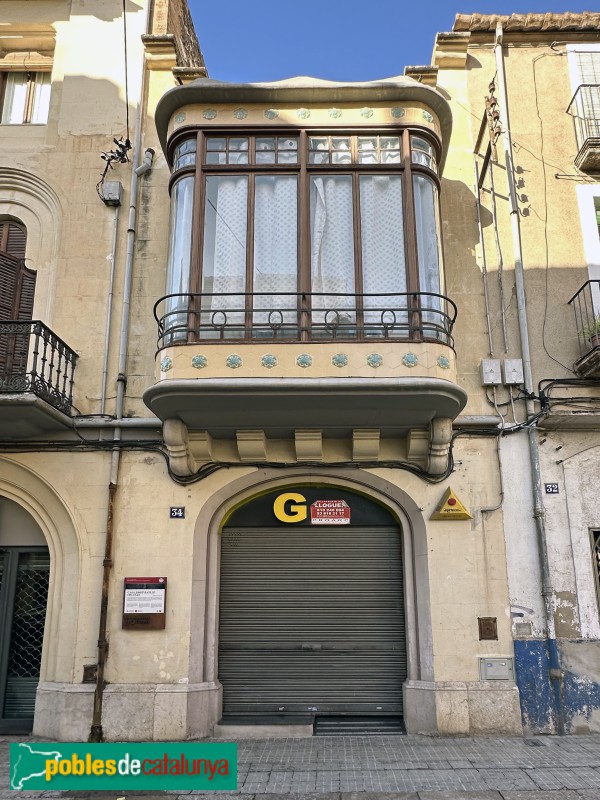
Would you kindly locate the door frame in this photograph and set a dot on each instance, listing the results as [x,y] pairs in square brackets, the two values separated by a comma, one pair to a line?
[204,621]
[7,607]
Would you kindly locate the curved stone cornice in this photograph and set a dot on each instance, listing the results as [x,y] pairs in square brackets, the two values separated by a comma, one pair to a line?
[304,90]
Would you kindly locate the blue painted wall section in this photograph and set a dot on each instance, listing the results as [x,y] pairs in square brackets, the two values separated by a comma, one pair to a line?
[580,692]
[532,665]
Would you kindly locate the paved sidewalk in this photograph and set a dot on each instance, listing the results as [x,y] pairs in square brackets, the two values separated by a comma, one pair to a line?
[391,768]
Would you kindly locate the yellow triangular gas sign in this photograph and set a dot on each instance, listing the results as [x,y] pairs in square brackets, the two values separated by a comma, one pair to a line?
[450,507]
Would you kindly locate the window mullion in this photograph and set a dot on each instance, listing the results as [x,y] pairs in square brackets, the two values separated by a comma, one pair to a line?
[412,258]
[249,297]
[304,272]
[358,264]
[198,215]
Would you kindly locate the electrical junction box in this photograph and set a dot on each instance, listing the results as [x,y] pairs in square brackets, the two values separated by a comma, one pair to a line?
[512,371]
[496,669]
[112,192]
[490,372]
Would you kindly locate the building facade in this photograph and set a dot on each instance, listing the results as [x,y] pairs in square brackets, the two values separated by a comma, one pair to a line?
[299,425]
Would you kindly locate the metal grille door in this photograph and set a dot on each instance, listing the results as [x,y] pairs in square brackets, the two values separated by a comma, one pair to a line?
[312,619]
[24,574]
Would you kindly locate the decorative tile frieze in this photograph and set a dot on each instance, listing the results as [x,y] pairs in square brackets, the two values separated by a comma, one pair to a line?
[398,112]
[234,361]
[199,362]
[304,360]
[410,360]
[374,360]
[339,360]
[366,113]
[209,113]
[271,113]
[269,361]
[443,362]
[166,364]
[303,113]
[240,113]
[335,113]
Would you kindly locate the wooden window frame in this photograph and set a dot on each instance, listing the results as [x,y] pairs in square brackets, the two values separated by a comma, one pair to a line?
[31,79]
[304,170]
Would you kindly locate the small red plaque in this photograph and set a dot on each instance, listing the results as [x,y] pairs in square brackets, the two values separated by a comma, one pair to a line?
[330,512]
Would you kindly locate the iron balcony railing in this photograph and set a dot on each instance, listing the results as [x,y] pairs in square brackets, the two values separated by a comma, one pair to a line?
[34,359]
[304,317]
[585,110]
[586,306]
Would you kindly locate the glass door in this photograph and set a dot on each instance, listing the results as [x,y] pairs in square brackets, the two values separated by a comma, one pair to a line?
[24,574]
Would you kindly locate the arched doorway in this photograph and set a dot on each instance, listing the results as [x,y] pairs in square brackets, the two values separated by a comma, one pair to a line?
[311,606]
[24,578]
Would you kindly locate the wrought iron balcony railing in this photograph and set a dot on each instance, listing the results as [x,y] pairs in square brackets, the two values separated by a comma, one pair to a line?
[585,110]
[304,317]
[586,306]
[34,359]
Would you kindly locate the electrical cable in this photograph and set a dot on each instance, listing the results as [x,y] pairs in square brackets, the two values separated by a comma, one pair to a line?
[110,445]
[126,73]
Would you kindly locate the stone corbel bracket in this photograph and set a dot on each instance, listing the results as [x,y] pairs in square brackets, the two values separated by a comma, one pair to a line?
[177,442]
[440,436]
[160,50]
[429,447]
[450,50]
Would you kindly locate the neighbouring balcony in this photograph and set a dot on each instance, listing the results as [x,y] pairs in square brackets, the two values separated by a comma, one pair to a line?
[585,110]
[36,379]
[284,362]
[586,307]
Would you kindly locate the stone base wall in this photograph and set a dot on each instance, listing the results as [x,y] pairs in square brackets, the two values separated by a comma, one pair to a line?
[457,708]
[131,712]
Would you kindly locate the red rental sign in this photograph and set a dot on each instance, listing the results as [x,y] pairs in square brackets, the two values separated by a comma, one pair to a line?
[330,512]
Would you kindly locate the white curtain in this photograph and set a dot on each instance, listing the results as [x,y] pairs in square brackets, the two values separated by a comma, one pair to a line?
[178,262]
[41,98]
[224,254]
[428,250]
[275,251]
[383,256]
[332,249]
[14,109]
[15,98]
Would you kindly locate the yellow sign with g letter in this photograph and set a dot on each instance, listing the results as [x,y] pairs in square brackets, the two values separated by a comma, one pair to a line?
[287,509]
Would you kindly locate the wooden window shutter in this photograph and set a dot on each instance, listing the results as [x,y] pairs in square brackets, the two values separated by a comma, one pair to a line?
[13,239]
[17,291]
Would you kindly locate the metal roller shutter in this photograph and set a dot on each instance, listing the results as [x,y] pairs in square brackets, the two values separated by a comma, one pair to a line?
[312,619]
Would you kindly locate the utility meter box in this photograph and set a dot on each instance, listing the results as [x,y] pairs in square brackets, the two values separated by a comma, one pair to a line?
[496,669]
[490,372]
[512,371]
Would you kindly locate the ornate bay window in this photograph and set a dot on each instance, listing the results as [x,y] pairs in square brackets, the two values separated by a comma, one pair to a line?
[305,314]
[302,233]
